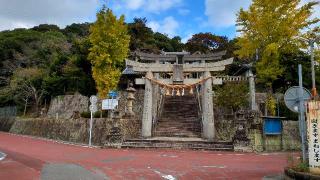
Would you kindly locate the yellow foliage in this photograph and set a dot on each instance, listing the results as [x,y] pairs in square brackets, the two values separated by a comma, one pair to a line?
[271,27]
[110,45]
[271,105]
[268,68]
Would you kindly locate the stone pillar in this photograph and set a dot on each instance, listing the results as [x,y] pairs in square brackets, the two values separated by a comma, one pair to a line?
[207,109]
[252,90]
[155,96]
[147,108]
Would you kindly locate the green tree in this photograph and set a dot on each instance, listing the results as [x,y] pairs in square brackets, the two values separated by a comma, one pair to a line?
[270,27]
[177,44]
[110,45]
[46,27]
[26,83]
[78,30]
[163,42]
[232,95]
[207,42]
[141,35]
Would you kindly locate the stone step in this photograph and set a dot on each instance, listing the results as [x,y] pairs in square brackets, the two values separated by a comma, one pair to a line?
[179,119]
[187,123]
[177,130]
[184,143]
[177,114]
[177,126]
[173,117]
[177,134]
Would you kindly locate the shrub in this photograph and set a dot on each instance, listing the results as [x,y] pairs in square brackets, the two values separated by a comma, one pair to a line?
[85,114]
[97,114]
[232,95]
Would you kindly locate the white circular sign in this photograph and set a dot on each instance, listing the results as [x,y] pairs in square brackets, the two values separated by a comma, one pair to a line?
[291,98]
[93,108]
[93,99]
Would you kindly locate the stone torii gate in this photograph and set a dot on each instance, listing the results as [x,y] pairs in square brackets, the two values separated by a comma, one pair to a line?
[178,64]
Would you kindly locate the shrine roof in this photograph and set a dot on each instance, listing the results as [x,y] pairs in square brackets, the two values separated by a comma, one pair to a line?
[129,71]
[171,56]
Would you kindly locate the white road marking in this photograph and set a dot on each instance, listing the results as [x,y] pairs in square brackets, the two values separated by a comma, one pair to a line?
[215,166]
[2,156]
[166,155]
[165,176]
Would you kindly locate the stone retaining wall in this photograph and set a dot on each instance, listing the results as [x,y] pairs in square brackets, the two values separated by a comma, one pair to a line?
[75,130]
[137,103]
[289,140]
[64,106]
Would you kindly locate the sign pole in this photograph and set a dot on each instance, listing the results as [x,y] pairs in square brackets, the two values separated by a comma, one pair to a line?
[93,108]
[112,106]
[301,116]
[90,129]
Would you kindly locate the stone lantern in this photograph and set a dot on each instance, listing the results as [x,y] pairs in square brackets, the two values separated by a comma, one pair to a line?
[130,98]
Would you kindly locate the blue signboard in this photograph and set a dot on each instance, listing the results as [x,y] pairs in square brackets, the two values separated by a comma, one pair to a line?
[272,126]
[113,94]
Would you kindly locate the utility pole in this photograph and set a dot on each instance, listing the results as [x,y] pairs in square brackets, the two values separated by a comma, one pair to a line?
[314,89]
[311,47]
[302,122]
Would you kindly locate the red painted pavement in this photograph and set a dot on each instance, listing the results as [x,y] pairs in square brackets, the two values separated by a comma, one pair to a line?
[26,157]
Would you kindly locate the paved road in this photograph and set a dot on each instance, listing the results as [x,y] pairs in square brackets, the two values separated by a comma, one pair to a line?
[31,158]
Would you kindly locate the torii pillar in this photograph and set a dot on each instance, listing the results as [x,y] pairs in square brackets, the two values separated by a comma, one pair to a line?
[147,107]
[207,99]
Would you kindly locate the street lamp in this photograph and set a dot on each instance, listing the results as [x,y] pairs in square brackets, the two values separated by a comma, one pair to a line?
[311,46]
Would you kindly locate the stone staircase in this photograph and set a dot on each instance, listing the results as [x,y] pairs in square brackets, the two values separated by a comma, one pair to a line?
[179,127]
[179,118]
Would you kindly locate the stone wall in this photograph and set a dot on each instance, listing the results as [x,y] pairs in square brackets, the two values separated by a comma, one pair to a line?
[75,130]
[227,122]
[68,128]
[289,140]
[64,106]
[256,140]
[137,103]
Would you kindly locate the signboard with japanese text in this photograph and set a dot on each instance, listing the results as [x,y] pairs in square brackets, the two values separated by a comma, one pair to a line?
[313,126]
[109,104]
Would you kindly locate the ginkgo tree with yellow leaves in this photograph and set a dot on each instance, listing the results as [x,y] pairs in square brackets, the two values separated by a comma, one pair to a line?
[110,46]
[270,28]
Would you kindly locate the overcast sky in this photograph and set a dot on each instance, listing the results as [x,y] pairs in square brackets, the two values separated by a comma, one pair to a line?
[173,17]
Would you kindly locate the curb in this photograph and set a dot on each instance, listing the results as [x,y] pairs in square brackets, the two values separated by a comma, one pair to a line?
[300,175]
[54,141]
